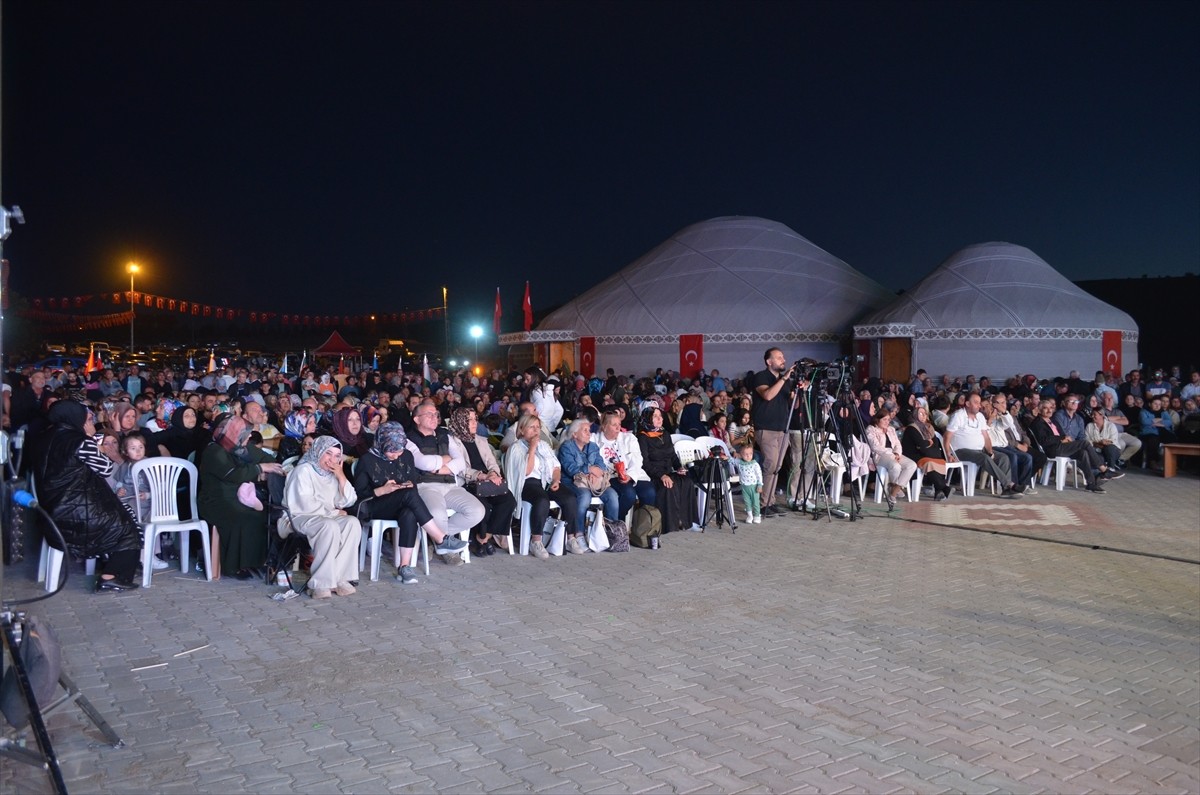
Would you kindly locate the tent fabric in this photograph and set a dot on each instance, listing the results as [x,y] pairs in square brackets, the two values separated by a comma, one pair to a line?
[726,276]
[336,345]
[999,309]
[993,290]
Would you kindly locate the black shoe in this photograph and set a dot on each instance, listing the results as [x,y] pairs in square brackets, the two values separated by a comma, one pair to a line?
[1095,489]
[115,585]
[1113,475]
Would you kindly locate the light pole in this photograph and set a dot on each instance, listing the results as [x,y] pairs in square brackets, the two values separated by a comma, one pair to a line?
[133,268]
[476,333]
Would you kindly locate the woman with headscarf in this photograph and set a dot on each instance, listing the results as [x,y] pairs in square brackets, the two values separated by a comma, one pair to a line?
[184,436]
[348,429]
[317,495]
[122,418]
[89,514]
[228,464]
[675,492]
[295,426]
[384,483]
[483,479]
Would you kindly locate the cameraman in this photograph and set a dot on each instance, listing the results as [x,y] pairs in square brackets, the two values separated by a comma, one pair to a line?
[774,388]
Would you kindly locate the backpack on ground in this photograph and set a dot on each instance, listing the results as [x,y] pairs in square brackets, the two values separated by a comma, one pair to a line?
[618,535]
[647,524]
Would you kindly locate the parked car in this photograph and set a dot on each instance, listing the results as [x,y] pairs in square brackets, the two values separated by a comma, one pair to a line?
[60,362]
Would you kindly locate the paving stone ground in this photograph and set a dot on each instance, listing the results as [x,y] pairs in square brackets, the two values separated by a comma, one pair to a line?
[916,653]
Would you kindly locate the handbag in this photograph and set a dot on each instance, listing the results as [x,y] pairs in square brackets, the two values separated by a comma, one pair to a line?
[596,484]
[486,488]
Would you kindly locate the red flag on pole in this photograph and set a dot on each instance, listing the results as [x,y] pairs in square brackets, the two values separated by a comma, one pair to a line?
[93,364]
[528,307]
[496,314]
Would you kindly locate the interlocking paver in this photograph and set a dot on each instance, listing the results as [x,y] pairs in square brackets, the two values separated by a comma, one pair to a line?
[795,656]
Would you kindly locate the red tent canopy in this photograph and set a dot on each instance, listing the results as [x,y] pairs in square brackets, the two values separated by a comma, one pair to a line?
[336,345]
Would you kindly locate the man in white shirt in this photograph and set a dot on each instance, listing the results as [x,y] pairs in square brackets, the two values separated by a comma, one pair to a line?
[1003,433]
[967,440]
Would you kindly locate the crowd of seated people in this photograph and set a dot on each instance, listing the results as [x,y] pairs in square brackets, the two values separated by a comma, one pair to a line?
[459,454]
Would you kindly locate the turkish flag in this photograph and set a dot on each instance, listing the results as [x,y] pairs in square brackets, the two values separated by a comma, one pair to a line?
[1111,352]
[528,307]
[691,355]
[496,314]
[587,356]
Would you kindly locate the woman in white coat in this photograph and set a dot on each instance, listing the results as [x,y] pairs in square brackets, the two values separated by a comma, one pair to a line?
[317,495]
[620,450]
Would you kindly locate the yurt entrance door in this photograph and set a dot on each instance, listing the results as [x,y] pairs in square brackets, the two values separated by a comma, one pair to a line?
[895,360]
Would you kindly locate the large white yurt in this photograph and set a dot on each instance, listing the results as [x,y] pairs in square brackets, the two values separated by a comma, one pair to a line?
[715,295]
[997,309]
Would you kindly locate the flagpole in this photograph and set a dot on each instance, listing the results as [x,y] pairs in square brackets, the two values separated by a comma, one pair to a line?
[446,319]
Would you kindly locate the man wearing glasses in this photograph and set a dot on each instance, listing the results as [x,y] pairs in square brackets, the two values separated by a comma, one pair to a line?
[437,485]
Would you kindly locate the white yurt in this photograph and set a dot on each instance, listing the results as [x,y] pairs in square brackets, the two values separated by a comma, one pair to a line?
[714,295]
[997,309]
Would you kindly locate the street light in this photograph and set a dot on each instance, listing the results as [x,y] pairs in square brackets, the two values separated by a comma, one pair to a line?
[476,333]
[133,268]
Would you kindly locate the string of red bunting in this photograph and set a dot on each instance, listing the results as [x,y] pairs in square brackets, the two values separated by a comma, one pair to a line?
[196,309]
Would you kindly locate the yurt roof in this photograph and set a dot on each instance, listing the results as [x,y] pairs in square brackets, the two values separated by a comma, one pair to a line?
[725,275]
[998,286]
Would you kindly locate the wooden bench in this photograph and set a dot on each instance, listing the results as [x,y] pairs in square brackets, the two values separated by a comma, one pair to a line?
[1171,452]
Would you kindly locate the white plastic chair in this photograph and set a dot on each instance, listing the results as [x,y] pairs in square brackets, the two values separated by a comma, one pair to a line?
[1060,465]
[50,560]
[162,476]
[372,537]
[681,437]
[526,508]
[912,488]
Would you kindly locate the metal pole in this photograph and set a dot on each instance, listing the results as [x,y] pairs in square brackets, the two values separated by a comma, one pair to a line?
[446,319]
[131,312]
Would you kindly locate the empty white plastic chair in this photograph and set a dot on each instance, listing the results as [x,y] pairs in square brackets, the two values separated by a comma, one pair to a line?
[1060,465]
[162,478]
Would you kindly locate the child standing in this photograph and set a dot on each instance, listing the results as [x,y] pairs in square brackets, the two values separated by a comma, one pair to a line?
[133,495]
[751,476]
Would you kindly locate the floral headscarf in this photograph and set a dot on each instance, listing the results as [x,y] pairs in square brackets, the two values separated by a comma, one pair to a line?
[295,425]
[321,445]
[390,438]
[232,433]
[460,424]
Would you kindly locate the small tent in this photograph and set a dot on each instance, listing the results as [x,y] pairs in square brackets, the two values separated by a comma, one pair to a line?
[996,309]
[336,345]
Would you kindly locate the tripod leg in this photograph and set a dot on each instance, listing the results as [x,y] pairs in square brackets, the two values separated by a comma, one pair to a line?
[109,734]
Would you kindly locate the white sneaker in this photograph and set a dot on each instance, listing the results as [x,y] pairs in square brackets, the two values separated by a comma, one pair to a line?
[575,545]
[538,550]
[758,519]
[158,564]
[749,518]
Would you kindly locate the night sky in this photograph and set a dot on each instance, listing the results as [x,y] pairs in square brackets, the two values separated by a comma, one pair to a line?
[354,157]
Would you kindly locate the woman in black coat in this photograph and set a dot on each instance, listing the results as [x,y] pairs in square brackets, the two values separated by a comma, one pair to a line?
[675,492]
[91,518]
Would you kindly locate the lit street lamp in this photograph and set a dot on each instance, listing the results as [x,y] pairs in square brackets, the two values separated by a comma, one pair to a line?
[133,268]
[476,333]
